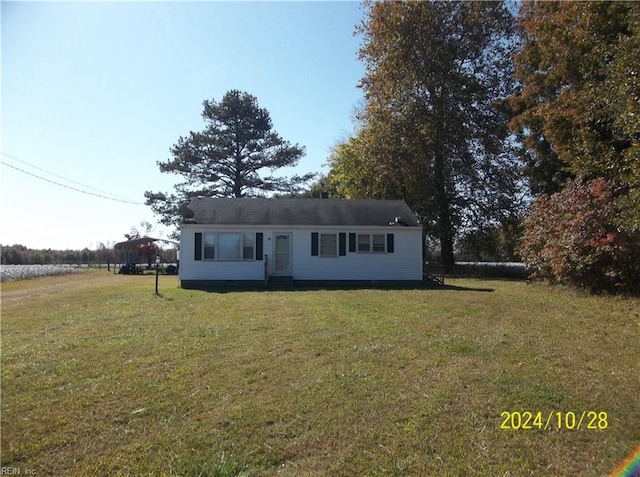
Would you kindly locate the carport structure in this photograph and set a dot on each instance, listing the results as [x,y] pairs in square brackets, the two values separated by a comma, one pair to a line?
[125,251]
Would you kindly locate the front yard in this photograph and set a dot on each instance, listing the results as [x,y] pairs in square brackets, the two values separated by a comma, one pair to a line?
[102,377]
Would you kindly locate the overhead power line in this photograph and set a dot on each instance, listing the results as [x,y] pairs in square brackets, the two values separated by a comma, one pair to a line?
[64,178]
[73,188]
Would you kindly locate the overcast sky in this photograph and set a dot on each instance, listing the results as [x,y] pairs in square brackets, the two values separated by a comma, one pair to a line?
[94,94]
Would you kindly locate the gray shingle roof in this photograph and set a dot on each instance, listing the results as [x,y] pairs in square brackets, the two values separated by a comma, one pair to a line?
[261,211]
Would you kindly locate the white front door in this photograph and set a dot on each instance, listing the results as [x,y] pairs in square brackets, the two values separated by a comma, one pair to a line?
[281,254]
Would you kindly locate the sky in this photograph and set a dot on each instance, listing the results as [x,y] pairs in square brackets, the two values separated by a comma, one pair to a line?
[95,94]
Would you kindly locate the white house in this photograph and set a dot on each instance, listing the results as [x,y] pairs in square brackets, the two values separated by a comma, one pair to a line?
[256,240]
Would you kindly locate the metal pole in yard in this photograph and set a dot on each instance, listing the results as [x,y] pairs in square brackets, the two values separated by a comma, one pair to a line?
[157,268]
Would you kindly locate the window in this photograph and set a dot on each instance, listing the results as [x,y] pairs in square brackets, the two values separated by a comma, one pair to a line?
[226,246]
[371,243]
[209,245]
[328,245]
[363,243]
[247,246]
[378,243]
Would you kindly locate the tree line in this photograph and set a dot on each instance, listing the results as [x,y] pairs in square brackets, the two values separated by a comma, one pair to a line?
[21,255]
[512,135]
[104,254]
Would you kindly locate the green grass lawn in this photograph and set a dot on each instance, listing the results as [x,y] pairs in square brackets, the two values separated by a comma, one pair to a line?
[102,377]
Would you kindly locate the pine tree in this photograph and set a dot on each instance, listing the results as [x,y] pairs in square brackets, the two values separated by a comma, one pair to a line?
[227,157]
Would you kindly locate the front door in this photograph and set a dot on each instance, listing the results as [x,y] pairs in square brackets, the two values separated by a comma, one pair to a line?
[281,254]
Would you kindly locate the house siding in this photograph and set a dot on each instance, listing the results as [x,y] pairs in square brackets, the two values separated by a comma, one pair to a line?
[404,264]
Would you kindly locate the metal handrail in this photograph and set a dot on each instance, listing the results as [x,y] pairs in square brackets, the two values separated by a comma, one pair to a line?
[433,272]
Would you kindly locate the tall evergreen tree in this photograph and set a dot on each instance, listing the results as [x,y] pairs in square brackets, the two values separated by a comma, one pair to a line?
[433,130]
[225,159]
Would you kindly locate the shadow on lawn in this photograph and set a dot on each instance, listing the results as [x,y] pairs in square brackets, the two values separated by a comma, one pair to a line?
[160,295]
[235,287]
[456,288]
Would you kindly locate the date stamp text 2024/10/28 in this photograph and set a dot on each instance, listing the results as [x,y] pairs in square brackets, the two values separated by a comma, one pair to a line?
[569,420]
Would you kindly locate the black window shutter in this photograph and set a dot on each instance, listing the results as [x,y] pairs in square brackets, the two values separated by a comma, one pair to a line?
[314,244]
[342,244]
[389,243]
[198,249]
[352,242]
[259,254]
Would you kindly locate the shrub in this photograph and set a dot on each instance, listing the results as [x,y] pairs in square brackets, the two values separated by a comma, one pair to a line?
[573,236]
